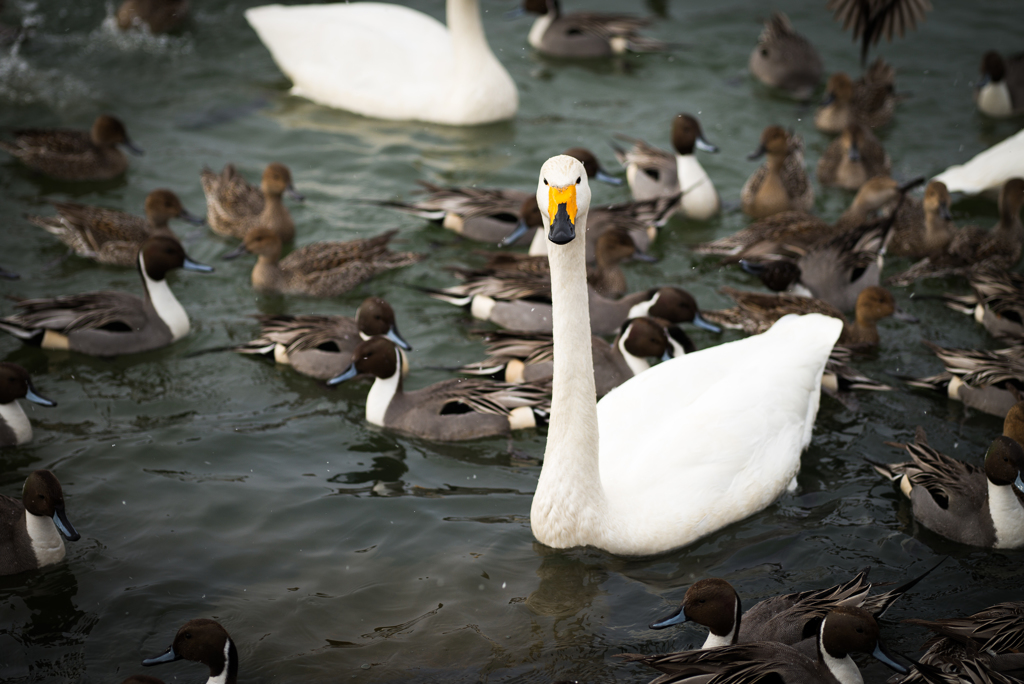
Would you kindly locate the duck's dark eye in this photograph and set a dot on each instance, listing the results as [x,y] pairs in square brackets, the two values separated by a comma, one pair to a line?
[545,181]
[860,630]
[578,179]
[188,635]
[764,52]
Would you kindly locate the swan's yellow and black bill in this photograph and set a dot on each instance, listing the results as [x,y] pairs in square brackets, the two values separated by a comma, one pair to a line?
[562,214]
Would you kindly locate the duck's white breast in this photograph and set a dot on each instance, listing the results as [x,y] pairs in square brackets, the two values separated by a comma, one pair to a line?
[700,199]
[46,541]
[15,417]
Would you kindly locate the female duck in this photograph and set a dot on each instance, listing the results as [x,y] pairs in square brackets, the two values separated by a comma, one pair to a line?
[410,66]
[586,34]
[980,507]
[321,346]
[852,158]
[780,184]
[870,101]
[15,384]
[320,269]
[233,207]
[786,60]
[652,172]
[32,528]
[516,356]
[598,491]
[756,312]
[112,323]
[448,411]
[973,249]
[207,642]
[926,229]
[113,237]
[73,155]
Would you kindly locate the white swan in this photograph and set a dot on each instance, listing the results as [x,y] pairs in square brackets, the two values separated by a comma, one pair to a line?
[685,448]
[988,170]
[390,62]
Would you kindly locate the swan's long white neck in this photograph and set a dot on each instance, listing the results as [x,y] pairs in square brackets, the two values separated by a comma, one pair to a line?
[466,29]
[569,502]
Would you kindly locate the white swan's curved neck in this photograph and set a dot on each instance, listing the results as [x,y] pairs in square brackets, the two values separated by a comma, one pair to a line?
[569,504]
[466,29]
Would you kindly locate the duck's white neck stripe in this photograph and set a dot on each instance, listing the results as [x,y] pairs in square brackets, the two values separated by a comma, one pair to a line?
[222,678]
[170,311]
[643,308]
[381,394]
[46,541]
[1007,516]
[714,641]
[843,669]
[15,417]
[539,28]
[635,363]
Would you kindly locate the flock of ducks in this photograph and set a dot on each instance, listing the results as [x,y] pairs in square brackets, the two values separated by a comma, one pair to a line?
[612,416]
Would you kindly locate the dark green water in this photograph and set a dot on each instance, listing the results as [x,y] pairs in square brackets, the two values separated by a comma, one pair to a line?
[219,486]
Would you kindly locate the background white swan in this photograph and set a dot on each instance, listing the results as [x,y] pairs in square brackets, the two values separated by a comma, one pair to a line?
[389,61]
[988,170]
[681,450]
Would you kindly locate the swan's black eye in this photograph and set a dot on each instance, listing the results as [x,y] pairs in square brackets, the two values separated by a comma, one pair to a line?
[578,179]
[545,181]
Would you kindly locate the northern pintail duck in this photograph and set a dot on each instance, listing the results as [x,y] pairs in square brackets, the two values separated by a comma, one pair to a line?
[986,380]
[412,66]
[203,641]
[74,155]
[517,356]
[852,158]
[113,237]
[844,630]
[756,312]
[997,302]
[499,303]
[785,619]
[321,346]
[801,228]
[970,505]
[320,269]
[869,20]
[614,246]
[780,184]
[32,528]
[233,207]
[158,16]
[991,637]
[15,384]
[924,229]
[595,487]
[870,101]
[110,323]
[786,60]
[448,411]
[972,248]
[586,34]
[1000,92]
[652,172]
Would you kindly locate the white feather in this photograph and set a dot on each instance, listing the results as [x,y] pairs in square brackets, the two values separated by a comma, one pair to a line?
[46,540]
[15,417]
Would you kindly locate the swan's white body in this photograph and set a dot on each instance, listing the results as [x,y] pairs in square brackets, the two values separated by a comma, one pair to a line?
[390,62]
[678,451]
[989,170]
